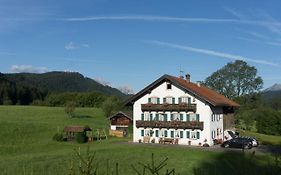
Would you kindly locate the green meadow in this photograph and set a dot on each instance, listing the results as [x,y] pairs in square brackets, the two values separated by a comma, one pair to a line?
[26,147]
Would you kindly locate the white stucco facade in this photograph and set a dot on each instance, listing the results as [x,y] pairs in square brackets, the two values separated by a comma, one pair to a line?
[211,117]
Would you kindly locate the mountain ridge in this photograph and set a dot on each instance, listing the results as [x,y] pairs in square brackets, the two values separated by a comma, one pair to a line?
[59,81]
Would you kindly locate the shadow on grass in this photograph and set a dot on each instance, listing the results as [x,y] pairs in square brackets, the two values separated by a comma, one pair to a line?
[240,163]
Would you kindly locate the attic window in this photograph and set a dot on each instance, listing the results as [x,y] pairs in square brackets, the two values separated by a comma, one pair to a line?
[169,85]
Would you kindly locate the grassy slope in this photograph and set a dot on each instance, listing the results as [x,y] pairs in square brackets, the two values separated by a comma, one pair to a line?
[26,146]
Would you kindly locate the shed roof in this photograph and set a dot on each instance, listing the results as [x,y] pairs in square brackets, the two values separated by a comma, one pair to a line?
[74,128]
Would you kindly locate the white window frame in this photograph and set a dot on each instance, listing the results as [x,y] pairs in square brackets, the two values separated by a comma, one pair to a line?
[193,135]
[154,100]
[169,99]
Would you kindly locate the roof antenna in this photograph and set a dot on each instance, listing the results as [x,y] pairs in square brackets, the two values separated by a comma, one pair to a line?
[181,73]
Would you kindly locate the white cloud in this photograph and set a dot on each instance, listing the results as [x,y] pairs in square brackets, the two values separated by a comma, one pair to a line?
[212,53]
[70,46]
[27,69]
[176,19]
[126,89]
[102,81]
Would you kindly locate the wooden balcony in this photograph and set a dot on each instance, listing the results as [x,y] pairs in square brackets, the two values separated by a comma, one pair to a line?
[170,124]
[168,107]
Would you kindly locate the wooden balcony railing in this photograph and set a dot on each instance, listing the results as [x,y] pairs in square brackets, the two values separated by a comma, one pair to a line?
[170,124]
[168,107]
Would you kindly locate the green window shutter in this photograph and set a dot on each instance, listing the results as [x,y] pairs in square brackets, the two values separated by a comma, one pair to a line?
[181,134]
[142,132]
[158,100]
[151,117]
[157,133]
[172,117]
[157,117]
[174,100]
[149,100]
[187,117]
[181,117]
[142,116]
[189,100]
[197,117]
[172,134]
[166,133]
[188,134]
[198,135]
[165,117]
[179,99]
[164,100]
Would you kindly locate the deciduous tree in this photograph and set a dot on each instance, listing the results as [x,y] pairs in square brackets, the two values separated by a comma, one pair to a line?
[235,79]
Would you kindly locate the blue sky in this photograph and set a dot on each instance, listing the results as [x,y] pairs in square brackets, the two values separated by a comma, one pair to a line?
[131,43]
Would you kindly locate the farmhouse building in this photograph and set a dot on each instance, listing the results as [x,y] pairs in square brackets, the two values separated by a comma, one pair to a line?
[119,123]
[174,108]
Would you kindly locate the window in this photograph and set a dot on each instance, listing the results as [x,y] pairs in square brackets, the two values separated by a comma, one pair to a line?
[165,117]
[142,116]
[154,100]
[162,132]
[181,117]
[172,134]
[213,134]
[194,117]
[174,116]
[142,132]
[146,116]
[169,85]
[185,100]
[151,117]
[156,117]
[195,135]
[181,134]
[148,132]
[166,133]
[187,117]
[157,133]
[169,100]
[188,134]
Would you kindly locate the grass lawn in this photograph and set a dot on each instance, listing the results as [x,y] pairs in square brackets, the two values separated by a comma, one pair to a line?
[26,147]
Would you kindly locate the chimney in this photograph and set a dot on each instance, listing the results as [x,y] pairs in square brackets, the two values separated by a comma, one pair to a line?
[198,84]
[187,78]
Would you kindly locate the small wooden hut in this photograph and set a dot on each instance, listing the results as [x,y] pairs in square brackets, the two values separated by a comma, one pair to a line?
[70,131]
[119,124]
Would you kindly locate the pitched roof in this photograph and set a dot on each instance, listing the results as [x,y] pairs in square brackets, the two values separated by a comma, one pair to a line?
[200,92]
[127,114]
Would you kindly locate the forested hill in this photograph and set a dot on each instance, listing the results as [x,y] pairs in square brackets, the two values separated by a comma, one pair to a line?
[58,82]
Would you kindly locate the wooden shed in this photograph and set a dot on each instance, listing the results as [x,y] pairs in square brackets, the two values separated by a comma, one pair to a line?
[70,131]
[119,123]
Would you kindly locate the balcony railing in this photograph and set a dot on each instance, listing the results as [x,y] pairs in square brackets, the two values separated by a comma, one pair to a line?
[170,124]
[168,107]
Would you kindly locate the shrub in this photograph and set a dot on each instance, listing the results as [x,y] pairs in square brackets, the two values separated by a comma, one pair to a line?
[58,137]
[81,137]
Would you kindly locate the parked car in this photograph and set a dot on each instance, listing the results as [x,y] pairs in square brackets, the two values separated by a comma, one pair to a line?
[238,142]
[254,141]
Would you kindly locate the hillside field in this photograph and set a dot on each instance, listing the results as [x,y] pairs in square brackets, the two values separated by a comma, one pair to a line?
[26,147]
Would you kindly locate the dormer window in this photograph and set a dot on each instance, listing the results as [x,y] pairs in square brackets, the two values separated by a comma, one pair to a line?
[169,85]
